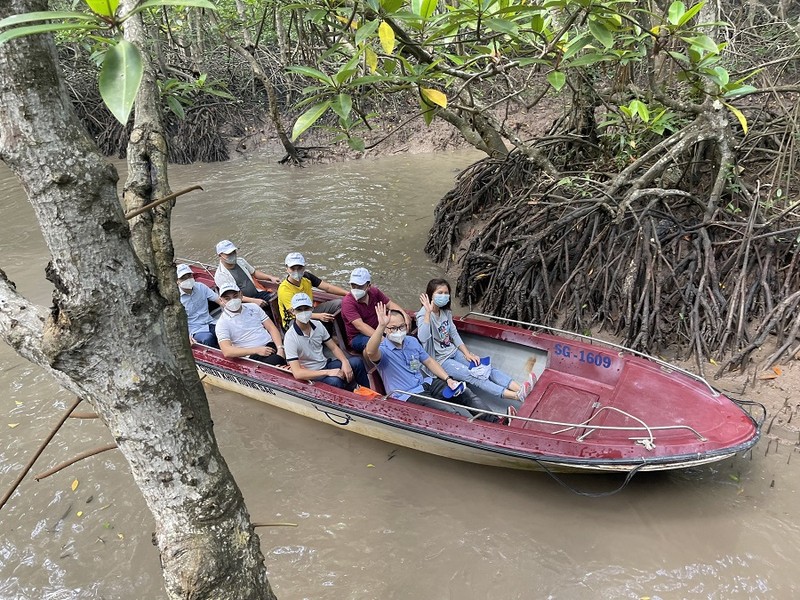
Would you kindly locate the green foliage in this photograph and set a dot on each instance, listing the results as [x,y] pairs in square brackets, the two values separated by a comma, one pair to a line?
[121,62]
[385,47]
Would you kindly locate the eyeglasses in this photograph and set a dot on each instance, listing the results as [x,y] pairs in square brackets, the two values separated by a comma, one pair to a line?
[398,328]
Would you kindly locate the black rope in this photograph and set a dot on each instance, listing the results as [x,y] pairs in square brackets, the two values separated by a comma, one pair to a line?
[567,486]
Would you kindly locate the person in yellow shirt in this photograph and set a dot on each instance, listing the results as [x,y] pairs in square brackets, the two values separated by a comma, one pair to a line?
[299,280]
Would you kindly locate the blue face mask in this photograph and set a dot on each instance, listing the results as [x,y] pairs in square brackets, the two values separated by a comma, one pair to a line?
[441,300]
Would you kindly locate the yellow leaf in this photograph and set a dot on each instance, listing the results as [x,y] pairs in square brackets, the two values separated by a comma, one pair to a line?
[18,403]
[120,536]
[12,425]
[655,30]
[80,513]
[778,370]
[372,59]
[739,115]
[386,33]
[434,97]
[74,485]
[345,20]
[712,361]
[370,466]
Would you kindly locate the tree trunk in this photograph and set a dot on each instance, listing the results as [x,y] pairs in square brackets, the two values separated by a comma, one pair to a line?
[107,335]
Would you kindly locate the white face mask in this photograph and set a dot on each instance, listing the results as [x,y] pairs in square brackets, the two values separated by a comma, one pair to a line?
[397,337]
[304,316]
[187,284]
[358,294]
[297,275]
[234,304]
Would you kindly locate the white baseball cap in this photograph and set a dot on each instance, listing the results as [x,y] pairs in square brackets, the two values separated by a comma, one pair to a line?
[183,270]
[360,276]
[301,299]
[295,258]
[226,247]
[227,287]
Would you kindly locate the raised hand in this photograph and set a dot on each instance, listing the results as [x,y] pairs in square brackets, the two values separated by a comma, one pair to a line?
[426,303]
[382,312]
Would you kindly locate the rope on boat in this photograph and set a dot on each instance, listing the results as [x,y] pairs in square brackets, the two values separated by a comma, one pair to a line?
[650,429]
[743,403]
[578,492]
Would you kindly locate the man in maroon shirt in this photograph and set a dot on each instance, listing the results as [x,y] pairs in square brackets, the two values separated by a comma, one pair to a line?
[358,308]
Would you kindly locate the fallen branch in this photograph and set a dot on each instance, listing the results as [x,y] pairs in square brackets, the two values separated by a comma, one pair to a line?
[72,461]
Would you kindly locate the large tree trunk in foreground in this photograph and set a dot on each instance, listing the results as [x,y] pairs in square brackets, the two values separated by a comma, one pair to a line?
[106,335]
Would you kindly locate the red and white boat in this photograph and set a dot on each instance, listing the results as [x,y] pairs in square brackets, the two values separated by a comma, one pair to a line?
[596,406]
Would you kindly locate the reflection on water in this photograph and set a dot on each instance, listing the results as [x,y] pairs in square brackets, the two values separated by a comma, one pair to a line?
[374,521]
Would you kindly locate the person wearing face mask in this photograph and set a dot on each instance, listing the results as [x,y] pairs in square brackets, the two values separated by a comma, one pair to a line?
[400,359]
[233,269]
[299,280]
[437,332]
[304,343]
[358,308]
[195,297]
[246,330]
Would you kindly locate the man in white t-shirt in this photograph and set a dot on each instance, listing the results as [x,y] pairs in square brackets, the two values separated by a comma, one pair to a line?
[246,330]
[304,341]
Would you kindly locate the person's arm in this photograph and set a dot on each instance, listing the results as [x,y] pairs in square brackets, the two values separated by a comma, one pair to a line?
[257,301]
[332,289]
[261,276]
[275,334]
[362,327]
[346,369]
[372,350]
[231,351]
[424,332]
[437,369]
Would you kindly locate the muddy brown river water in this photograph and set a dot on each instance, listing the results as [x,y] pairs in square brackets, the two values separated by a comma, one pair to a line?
[373,521]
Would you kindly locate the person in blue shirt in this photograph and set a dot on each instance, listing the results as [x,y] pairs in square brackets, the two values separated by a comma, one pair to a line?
[399,359]
[195,297]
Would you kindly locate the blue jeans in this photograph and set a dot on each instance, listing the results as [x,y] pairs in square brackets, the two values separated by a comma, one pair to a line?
[359,342]
[457,366]
[207,338]
[359,374]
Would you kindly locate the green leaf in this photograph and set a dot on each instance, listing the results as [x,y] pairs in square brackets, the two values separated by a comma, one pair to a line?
[311,72]
[155,3]
[386,34]
[366,30]
[703,42]
[587,59]
[502,26]
[721,76]
[601,34]
[392,6]
[356,144]
[676,11]
[740,90]
[105,8]
[119,79]
[428,112]
[557,79]
[342,105]
[46,15]
[577,45]
[640,108]
[424,8]
[308,118]
[18,32]
[176,107]
[690,13]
